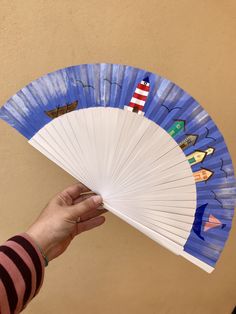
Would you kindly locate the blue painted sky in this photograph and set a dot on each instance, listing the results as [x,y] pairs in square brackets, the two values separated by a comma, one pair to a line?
[112,85]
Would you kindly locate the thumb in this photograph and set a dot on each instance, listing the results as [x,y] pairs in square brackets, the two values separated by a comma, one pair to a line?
[82,208]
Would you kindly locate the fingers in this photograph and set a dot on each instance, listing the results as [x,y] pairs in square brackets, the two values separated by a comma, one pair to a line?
[67,196]
[83,197]
[92,214]
[90,224]
[86,206]
[76,189]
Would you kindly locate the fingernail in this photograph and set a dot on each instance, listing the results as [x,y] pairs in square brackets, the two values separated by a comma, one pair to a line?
[101,206]
[97,199]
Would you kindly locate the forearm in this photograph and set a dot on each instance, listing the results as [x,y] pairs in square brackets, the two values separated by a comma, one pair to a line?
[23,257]
[21,273]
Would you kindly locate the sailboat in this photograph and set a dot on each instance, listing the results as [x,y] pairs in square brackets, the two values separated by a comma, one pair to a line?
[58,111]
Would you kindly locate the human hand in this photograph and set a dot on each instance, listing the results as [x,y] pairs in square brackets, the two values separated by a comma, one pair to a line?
[68,214]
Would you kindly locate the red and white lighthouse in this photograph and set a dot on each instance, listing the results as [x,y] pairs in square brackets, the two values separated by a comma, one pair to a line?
[139,97]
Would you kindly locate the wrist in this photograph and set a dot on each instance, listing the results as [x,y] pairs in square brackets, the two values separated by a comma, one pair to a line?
[46,259]
[41,243]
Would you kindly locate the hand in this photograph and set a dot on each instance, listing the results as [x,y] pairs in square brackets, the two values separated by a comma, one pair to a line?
[58,223]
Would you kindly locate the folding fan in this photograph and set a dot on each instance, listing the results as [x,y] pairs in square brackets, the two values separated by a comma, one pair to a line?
[140,141]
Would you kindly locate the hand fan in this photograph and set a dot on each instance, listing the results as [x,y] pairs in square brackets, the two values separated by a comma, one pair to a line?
[140,141]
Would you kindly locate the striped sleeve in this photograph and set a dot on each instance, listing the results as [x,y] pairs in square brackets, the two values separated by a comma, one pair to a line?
[21,273]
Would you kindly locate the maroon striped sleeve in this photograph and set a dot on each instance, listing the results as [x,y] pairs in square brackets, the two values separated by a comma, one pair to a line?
[22,270]
[4,305]
[10,288]
[21,273]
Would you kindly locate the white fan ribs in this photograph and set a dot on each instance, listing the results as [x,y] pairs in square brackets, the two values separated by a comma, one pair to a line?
[140,171]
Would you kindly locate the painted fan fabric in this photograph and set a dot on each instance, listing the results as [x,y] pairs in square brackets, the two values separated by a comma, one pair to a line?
[143,143]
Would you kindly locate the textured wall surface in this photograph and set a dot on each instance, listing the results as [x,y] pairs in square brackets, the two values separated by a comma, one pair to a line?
[116,269]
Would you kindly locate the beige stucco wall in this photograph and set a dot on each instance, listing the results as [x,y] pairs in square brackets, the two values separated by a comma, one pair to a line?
[116,269]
